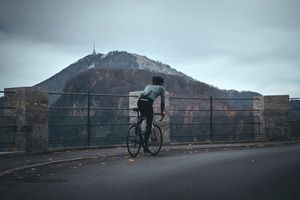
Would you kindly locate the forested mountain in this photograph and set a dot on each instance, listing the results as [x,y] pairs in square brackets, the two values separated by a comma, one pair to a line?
[112,60]
[121,73]
[135,71]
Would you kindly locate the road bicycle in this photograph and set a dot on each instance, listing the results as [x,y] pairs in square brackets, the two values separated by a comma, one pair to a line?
[136,137]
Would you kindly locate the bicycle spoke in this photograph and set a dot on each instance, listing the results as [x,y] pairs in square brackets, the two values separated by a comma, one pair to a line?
[133,141]
[155,140]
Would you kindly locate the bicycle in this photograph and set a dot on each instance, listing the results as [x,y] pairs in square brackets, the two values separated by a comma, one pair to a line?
[136,137]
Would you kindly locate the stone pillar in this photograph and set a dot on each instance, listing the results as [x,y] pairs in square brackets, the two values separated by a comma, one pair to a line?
[7,130]
[274,118]
[165,124]
[258,106]
[31,108]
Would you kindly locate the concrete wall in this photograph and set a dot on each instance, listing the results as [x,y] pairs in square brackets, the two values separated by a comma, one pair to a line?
[165,124]
[274,118]
[31,108]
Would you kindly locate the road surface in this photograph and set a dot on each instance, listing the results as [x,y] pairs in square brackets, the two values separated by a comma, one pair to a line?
[252,173]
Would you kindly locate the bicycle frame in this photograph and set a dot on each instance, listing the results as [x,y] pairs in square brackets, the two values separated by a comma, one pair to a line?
[134,144]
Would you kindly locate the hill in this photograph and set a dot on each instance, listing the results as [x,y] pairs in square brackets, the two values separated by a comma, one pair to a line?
[120,73]
[178,83]
[112,60]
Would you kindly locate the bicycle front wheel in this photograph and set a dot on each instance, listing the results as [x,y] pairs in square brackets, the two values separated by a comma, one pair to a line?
[133,140]
[155,140]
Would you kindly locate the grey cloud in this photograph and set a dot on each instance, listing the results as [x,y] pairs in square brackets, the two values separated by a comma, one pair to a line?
[212,35]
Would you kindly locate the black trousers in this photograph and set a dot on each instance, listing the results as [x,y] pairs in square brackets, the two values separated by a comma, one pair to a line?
[145,106]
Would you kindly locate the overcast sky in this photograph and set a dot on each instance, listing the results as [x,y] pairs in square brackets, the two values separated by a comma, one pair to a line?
[232,44]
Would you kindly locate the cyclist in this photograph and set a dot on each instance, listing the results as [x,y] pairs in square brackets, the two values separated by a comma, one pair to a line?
[145,104]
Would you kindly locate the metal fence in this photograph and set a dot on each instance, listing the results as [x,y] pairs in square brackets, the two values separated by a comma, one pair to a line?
[7,124]
[87,119]
[213,119]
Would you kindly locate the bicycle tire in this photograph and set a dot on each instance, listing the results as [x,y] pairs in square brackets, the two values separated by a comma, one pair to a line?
[155,140]
[133,140]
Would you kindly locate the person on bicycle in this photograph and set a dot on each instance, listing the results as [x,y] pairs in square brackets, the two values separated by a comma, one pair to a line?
[145,103]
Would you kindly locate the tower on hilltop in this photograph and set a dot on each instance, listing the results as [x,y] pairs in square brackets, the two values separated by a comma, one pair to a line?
[94,50]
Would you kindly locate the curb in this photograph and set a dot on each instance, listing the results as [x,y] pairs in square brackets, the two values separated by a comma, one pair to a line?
[187,146]
[9,171]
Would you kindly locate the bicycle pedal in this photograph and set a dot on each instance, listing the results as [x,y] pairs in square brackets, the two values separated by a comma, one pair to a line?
[146,150]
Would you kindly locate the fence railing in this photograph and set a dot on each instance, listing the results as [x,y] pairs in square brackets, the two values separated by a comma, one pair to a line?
[102,119]
[212,119]
[90,119]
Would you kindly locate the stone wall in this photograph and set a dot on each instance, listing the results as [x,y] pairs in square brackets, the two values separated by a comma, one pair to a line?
[31,108]
[274,118]
[31,111]
[165,124]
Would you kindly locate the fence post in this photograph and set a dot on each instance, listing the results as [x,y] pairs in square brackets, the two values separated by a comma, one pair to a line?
[31,106]
[211,118]
[259,106]
[274,118]
[88,118]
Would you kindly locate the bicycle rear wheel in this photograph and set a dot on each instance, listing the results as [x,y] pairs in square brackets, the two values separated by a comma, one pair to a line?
[155,140]
[133,140]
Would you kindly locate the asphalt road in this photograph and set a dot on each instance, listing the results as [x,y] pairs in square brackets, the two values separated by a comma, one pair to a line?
[254,173]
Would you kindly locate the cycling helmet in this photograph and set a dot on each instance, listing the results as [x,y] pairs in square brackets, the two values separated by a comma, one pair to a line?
[157,80]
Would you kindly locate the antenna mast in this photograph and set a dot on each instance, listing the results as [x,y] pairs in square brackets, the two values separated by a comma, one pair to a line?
[94,50]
